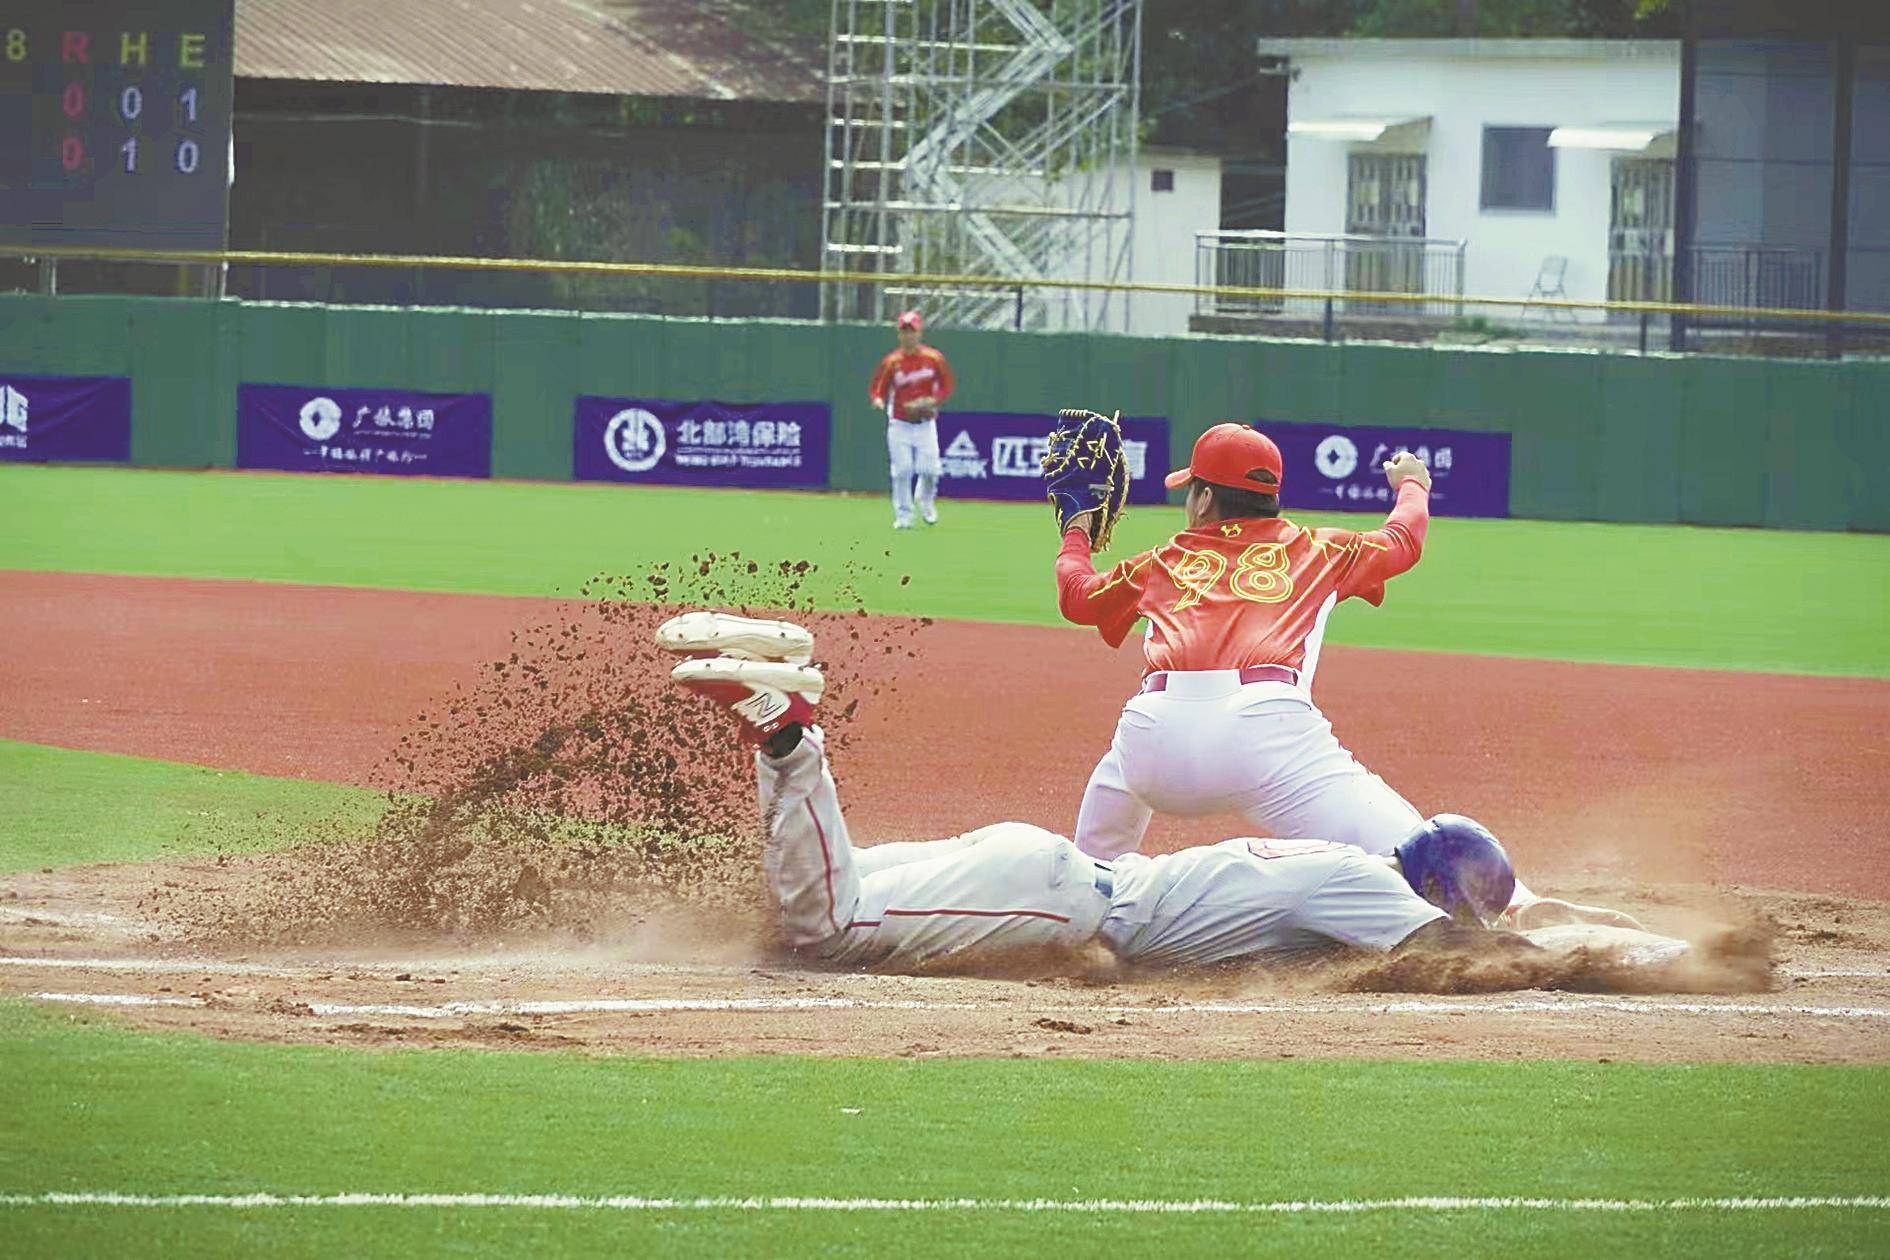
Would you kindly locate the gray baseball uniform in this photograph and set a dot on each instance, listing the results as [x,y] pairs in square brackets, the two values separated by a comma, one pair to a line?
[1012,887]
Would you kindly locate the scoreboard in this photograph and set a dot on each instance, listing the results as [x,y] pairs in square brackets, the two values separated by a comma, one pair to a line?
[115,122]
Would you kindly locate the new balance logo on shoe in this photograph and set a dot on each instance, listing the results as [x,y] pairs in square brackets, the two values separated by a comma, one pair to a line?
[762,708]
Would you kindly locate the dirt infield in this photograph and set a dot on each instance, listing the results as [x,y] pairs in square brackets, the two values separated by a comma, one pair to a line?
[1600,773]
[86,938]
[1689,797]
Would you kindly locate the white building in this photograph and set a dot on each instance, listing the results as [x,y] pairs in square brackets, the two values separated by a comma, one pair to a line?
[1550,159]
[1177,193]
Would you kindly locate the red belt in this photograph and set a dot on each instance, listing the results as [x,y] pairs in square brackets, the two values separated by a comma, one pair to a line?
[1248,674]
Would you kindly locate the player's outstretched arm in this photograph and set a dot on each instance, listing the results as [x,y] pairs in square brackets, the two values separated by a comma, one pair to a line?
[1466,940]
[1109,601]
[1395,546]
[1451,956]
[1410,517]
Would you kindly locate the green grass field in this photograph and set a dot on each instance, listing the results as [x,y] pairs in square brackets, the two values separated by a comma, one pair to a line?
[161,1115]
[62,807]
[1656,595]
[87,1105]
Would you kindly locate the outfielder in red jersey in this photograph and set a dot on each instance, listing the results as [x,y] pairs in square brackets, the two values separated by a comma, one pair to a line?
[1236,607]
[910,385]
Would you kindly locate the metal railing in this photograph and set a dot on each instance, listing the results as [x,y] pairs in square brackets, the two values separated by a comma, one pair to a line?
[1723,275]
[1766,276]
[1350,263]
[206,265]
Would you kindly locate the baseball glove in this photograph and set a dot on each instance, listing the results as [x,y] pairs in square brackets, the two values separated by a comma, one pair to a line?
[922,409]
[1084,470]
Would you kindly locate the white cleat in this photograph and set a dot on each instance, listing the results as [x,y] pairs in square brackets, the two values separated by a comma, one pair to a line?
[741,638]
[902,523]
[929,516]
[764,696]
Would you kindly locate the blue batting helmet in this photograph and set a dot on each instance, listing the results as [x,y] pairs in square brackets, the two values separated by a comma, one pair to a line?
[1458,866]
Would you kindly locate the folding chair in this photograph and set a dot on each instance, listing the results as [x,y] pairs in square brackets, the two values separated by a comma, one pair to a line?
[1549,278]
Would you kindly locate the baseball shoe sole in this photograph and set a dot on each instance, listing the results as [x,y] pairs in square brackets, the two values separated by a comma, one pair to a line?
[743,638]
[764,696]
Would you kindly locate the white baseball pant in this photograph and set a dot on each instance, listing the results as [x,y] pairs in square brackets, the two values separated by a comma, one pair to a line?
[1009,887]
[1207,744]
[1013,887]
[913,451]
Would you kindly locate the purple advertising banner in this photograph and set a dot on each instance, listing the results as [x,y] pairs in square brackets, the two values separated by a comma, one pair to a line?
[661,441]
[65,418]
[996,454]
[1335,467]
[395,432]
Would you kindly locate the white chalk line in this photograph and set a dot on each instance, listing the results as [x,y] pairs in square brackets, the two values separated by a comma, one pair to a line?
[290,971]
[119,999]
[783,1203]
[596,1006]
[507,964]
[56,918]
[298,971]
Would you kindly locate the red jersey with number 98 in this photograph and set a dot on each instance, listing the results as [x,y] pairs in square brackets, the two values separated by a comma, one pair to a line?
[1237,593]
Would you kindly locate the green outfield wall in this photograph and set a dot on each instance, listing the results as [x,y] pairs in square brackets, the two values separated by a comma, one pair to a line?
[1615,437]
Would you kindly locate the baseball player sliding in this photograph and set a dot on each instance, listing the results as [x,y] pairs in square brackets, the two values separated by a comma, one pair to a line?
[1014,887]
[909,385]
[1236,606]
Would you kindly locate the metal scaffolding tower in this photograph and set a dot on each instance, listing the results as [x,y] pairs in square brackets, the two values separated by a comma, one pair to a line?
[981,137]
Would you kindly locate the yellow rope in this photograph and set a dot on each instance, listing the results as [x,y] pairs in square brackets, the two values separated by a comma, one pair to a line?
[784,275]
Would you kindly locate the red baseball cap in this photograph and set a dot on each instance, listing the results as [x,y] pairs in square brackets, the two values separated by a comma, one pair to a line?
[912,320]
[1236,455]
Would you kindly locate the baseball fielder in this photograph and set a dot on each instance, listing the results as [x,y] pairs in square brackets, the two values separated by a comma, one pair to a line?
[909,386]
[1236,606]
[1012,886]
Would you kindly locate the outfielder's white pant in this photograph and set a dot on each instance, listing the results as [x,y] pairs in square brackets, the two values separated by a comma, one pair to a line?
[1014,887]
[1206,744]
[913,449]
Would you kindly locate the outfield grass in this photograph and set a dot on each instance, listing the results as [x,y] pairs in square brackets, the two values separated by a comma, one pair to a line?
[90,1107]
[1729,599]
[60,807]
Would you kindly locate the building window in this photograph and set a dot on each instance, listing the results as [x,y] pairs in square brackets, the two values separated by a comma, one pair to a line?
[1518,169]
[1161,179]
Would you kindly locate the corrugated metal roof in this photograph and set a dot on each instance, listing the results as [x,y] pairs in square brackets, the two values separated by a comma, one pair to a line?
[671,48]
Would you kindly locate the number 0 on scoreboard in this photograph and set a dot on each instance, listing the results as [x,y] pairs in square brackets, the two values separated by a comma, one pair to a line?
[115,122]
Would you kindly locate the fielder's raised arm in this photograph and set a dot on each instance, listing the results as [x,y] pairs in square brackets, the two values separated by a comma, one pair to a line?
[1395,546]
